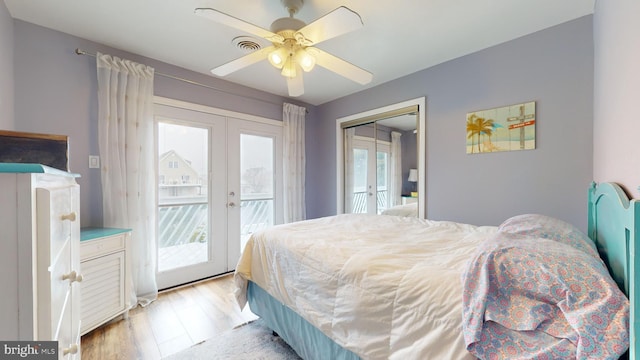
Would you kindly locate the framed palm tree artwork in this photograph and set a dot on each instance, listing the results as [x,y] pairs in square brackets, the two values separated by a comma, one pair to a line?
[506,128]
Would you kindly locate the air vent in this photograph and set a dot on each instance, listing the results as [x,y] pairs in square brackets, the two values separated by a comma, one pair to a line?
[246,43]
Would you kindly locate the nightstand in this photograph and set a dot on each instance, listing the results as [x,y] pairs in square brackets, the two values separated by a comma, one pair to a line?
[409,200]
[104,263]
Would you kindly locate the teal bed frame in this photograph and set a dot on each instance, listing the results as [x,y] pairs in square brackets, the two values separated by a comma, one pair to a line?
[614,225]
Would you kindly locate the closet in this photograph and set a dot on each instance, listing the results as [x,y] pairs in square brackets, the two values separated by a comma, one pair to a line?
[381,160]
[39,218]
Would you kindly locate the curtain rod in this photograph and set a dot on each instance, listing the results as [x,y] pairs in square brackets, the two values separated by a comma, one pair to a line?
[82,52]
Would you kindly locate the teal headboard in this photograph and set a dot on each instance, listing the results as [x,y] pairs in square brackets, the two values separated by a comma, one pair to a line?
[614,225]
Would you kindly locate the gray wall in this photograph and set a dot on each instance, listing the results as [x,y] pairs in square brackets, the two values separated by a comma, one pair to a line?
[553,67]
[55,92]
[6,69]
[617,92]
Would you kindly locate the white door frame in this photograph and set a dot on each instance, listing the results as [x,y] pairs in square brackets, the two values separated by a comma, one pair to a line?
[259,123]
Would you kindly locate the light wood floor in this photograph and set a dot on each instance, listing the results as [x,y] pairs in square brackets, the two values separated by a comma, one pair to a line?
[177,320]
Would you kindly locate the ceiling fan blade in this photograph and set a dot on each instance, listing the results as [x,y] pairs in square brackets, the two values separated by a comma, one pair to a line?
[237,64]
[238,24]
[340,67]
[339,21]
[296,85]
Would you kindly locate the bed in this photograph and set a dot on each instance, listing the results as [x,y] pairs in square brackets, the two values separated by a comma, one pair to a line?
[402,210]
[305,280]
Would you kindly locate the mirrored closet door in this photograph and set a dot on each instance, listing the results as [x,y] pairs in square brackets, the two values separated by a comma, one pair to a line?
[381,161]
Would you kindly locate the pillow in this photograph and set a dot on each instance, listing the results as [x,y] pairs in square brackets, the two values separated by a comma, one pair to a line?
[541,226]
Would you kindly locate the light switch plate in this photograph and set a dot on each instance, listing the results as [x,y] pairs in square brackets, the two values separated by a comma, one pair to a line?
[94,162]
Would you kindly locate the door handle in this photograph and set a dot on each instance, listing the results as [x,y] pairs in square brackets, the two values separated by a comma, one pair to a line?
[231,205]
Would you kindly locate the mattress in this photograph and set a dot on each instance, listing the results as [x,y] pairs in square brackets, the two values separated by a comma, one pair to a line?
[307,341]
[379,286]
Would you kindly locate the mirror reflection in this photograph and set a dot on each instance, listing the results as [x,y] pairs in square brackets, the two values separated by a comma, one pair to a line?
[381,166]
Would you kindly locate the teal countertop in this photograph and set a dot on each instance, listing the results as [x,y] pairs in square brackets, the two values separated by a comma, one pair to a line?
[27,168]
[90,233]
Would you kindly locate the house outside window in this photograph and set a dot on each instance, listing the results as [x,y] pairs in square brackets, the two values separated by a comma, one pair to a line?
[177,178]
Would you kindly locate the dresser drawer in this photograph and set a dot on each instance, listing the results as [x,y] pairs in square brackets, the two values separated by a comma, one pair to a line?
[57,207]
[102,246]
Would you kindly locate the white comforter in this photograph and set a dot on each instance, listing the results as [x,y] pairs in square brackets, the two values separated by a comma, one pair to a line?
[384,287]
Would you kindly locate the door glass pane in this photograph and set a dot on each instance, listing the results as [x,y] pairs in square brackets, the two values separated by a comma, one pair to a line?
[360,160]
[183,225]
[382,176]
[256,184]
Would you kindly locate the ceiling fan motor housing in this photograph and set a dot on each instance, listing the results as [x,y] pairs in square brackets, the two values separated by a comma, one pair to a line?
[286,23]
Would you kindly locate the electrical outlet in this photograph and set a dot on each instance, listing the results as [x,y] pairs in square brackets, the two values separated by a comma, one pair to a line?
[94,162]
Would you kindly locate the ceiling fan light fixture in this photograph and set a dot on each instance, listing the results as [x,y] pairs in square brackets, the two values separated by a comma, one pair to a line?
[289,68]
[305,60]
[278,57]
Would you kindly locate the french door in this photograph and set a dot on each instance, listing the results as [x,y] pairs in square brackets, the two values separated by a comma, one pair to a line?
[219,180]
[371,174]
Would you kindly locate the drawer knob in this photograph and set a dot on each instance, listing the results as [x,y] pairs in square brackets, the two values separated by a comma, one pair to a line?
[73,349]
[72,276]
[70,217]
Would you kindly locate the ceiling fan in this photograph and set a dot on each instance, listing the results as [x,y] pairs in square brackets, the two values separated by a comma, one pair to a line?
[293,41]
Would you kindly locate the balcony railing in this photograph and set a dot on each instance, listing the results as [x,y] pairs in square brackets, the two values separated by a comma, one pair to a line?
[182,225]
[256,214]
[360,201]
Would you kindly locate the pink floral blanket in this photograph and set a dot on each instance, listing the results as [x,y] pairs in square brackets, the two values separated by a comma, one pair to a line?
[534,297]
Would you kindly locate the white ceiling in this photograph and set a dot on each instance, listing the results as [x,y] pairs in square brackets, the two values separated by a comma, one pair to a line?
[398,38]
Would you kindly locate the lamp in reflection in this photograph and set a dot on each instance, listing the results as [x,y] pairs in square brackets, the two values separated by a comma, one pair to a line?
[413,178]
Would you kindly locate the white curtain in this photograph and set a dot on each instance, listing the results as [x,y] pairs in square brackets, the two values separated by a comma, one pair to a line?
[349,134]
[294,163]
[395,186]
[125,133]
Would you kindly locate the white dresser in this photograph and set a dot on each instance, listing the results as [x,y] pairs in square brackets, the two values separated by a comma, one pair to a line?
[40,232]
[105,269]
